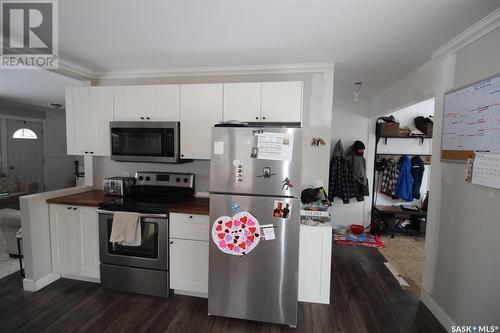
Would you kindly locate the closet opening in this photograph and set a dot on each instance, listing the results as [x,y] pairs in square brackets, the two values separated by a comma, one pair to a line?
[402,167]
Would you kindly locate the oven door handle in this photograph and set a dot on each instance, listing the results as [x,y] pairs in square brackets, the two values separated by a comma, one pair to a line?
[110,212]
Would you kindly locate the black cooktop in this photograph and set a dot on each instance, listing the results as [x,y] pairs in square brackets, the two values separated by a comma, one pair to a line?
[147,204]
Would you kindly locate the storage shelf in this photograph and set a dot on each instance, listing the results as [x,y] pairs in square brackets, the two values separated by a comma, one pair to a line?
[398,211]
[385,137]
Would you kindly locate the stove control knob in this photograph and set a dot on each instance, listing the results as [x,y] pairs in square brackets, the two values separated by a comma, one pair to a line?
[141,178]
[178,179]
[185,180]
[148,178]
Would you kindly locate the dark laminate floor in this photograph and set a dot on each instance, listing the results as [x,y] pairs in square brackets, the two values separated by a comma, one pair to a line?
[364,298]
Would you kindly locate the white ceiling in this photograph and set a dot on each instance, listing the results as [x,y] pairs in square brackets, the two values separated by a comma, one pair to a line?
[33,86]
[376,42]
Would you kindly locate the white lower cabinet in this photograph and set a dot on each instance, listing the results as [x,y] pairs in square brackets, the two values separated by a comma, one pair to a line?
[189,253]
[315,261]
[189,265]
[74,239]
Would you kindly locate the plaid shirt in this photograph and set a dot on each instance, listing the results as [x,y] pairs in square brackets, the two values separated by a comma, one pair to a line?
[389,177]
[341,183]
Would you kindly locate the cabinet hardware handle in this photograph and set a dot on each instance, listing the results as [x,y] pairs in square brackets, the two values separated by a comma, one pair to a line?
[91,152]
[182,155]
[142,118]
[263,117]
[171,242]
[148,118]
[86,152]
[69,207]
[191,216]
[75,208]
[257,118]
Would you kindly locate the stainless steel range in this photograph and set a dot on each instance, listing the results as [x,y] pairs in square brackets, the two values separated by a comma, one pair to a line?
[142,269]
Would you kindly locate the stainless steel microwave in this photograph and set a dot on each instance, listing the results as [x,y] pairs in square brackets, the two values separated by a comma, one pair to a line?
[145,141]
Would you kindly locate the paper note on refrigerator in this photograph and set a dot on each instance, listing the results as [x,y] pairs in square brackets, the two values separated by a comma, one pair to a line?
[275,146]
[268,233]
[218,147]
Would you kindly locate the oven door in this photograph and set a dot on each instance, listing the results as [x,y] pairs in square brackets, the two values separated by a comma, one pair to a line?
[147,141]
[153,251]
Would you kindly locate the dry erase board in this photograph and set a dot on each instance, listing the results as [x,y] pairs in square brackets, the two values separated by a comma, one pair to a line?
[471,119]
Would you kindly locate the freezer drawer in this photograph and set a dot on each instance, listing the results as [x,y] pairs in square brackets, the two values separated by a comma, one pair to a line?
[263,284]
[232,151]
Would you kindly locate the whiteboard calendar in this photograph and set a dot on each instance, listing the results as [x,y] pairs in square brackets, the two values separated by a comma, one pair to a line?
[486,170]
[471,119]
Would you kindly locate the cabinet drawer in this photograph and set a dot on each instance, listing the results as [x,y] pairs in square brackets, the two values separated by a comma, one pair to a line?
[189,226]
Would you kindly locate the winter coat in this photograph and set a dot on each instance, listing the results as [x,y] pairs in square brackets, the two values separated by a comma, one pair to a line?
[417,172]
[340,182]
[404,186]
[389,177]
[357,164]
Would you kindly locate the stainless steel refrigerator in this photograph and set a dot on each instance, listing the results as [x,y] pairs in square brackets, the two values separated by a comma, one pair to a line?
[255,172]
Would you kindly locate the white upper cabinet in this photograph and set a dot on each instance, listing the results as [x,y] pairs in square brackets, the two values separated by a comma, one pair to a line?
[282,101]
[201,109]
[101,113]
[163,102]
[130,103]
[88,113]
[154,103]
[77,120]
[242,101]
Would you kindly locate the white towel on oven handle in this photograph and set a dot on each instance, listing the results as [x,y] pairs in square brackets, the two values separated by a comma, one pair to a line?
[126,229]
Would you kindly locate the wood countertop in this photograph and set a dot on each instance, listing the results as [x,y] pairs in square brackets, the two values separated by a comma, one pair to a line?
[89,199]
[93,198]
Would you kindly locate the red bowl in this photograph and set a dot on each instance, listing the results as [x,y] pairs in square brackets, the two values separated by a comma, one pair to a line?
[357,229]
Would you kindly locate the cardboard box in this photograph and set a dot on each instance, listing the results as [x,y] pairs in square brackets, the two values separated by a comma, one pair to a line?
[387,129]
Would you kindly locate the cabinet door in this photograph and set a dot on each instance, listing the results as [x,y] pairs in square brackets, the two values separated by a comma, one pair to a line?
[62,240]
[77,120]
[163,102]
[86,242]
[201,109]
[315,253]
[130,103]
[242,101]
[101,113]
[189,265]
[282,101]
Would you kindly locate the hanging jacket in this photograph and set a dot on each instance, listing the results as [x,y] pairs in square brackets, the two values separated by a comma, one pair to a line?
[340,182]
[389,177]
[357,165]
[404,186]
[417,172]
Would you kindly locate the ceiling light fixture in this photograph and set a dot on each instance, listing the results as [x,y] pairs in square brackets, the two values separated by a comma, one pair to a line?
[357,88]
[54,105]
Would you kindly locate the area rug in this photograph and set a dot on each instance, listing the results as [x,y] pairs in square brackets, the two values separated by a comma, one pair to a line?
[8,265]
[365,240]
[406,254]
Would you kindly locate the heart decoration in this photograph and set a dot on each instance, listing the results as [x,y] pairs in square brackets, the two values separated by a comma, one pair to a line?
[239,237]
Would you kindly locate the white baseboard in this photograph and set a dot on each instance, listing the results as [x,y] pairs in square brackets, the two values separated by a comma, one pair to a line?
[437,311]
[81,278]
[191,293]
[36,285]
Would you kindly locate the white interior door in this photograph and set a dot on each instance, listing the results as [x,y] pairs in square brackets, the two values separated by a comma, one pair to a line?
[25,151]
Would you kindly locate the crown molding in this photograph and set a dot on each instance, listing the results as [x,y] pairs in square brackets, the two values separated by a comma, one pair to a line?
[222,70]
[473,33]
[70,69]
[16,105]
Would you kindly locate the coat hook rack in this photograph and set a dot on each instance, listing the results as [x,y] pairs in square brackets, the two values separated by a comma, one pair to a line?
[317,141]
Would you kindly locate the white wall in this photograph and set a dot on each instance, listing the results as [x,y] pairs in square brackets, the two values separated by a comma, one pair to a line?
[462,267]
[59,167]
[351,122]
[318,96]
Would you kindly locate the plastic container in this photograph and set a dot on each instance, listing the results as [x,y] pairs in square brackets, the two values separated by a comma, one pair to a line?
[339,229]
[357,229]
